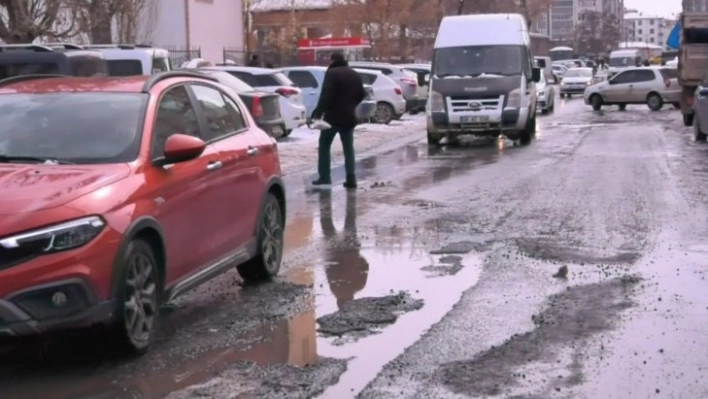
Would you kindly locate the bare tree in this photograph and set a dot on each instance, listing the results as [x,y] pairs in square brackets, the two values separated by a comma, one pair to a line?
[282,40]
[588,33]
[135,20]
[596,33]
[23,21]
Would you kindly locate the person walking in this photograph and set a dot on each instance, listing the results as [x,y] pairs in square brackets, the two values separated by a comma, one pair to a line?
[255,62]
[342,91]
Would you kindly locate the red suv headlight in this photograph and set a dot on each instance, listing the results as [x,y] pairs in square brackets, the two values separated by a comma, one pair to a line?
[59,237]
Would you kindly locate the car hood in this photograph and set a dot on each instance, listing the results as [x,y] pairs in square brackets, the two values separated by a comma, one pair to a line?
[31,188]
[579,79]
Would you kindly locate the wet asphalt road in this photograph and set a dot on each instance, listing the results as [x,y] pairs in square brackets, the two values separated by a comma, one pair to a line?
[435,280]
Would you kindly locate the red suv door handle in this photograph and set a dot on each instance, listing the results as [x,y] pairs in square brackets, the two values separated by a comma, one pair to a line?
[214,165]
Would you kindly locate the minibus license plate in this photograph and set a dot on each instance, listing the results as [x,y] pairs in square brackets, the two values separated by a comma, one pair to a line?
[474,119]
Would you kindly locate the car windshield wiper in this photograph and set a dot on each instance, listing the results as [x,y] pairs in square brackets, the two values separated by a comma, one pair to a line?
[19,158]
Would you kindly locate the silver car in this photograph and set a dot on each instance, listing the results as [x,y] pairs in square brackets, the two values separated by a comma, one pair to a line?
[653,86]
[545,96]
[405,79]
[575,80]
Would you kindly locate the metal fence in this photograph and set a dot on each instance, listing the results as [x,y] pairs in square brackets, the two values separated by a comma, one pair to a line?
[265,56]
[237,55]
[180,55]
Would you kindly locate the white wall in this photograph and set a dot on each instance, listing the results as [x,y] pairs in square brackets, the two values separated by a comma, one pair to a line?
[215,24]
[168,25]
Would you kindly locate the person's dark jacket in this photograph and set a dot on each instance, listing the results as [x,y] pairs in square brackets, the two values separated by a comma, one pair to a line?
[254,63]
[342,91]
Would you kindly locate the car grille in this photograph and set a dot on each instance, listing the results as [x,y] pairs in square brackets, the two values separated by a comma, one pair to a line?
[462,104]
[15,256]
[271,107]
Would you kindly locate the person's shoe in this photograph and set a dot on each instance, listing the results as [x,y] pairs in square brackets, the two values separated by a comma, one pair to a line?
[322,182]
[350,183]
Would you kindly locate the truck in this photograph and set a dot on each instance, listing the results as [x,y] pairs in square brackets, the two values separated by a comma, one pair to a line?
[482,84]
[692,56]
[540,44]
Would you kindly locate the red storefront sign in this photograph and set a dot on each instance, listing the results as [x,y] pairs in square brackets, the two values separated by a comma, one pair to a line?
[338,42]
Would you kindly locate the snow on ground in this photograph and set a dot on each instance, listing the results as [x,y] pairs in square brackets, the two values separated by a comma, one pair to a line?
[298,152]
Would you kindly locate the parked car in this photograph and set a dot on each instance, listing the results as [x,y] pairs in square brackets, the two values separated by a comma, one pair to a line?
[310,79]
[422,74]
[700,110]
[390,103]
[264,105]
[575,81]
[141,189]
[133,59]
[31,59]
[545,96]
[292,105]
[654,86]
[558,72]
[545,63]
[408,83]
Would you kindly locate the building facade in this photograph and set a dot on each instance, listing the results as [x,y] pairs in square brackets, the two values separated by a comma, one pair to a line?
[647,28]
[565,15]
[209,26]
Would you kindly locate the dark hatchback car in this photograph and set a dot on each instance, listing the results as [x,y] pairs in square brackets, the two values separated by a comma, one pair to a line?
[69,60]
[264,106]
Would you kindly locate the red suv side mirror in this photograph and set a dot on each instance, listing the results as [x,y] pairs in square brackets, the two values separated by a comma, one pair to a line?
[181,148]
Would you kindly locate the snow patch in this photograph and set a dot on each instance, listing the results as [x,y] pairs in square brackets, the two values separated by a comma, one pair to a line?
[299,150]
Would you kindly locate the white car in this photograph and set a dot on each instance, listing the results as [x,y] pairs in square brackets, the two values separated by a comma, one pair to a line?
[133,60]
[292,106]
[422,75]
[559,71]
[575,81]
[545,96]
[390,103]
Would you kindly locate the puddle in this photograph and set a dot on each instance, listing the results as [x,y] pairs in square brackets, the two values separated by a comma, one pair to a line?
[354,265]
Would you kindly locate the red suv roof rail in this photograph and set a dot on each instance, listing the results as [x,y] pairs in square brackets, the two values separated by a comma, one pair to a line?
[157,78]
[22,78]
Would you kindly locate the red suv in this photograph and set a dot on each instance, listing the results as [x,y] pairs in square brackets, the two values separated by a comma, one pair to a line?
[118,194]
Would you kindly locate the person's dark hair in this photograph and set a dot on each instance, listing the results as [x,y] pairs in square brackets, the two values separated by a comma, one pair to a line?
[337,56]
[254,57]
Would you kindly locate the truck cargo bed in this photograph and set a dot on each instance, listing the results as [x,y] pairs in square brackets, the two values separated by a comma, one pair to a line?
[693,50]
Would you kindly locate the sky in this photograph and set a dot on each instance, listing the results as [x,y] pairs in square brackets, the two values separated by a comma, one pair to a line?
[663,8]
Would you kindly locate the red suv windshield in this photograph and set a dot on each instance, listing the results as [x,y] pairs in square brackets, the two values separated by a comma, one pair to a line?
[81,128]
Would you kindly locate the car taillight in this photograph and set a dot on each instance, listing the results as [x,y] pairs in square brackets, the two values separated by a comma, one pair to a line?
[398,91]
[286,91]
[256,107]
[409,81]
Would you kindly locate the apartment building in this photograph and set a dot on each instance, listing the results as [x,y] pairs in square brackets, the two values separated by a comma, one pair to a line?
[651,29]
[564,16]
